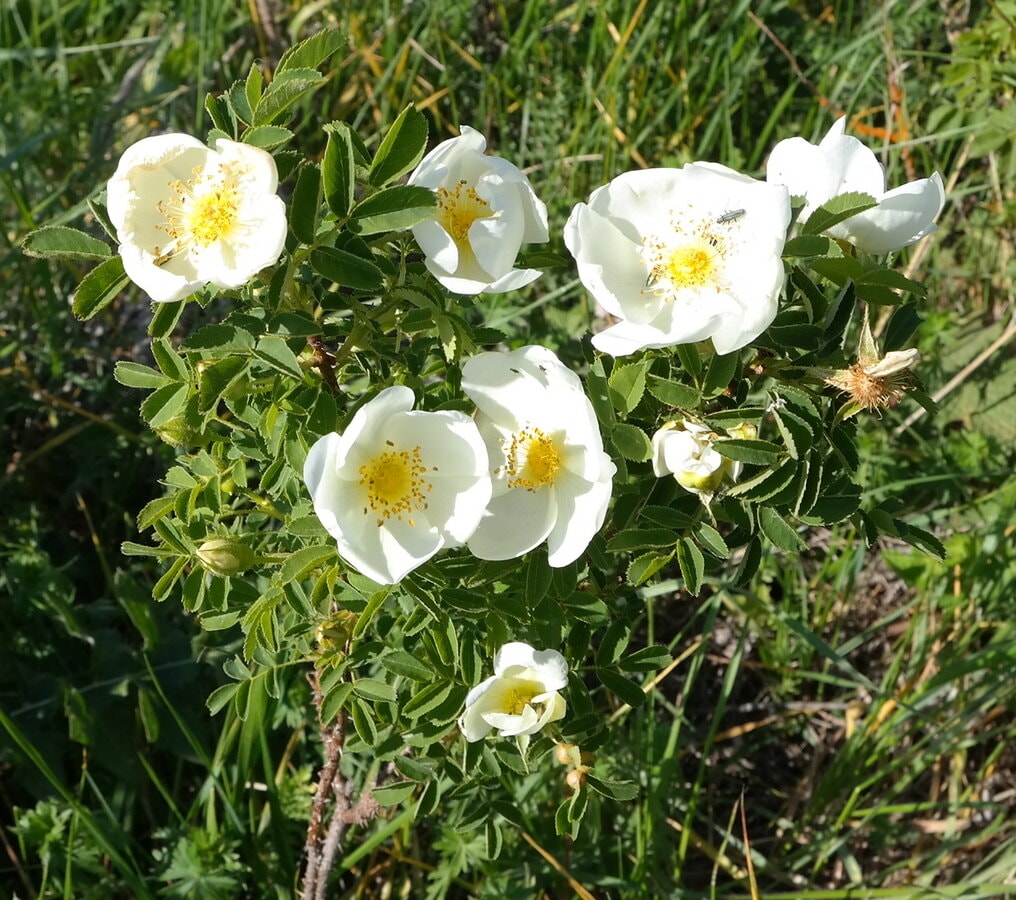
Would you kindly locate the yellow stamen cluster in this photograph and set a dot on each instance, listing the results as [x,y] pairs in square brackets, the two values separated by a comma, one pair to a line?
[458,208]
[395,484]
[693,260]
[201,213]
[521,695]
[532,459]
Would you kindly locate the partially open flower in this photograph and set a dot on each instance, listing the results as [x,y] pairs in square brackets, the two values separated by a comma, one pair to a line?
[681,255]
[522,695]
[841,164]
[685,450]
[486,211]
[186,215]
[399,484]
[552,478]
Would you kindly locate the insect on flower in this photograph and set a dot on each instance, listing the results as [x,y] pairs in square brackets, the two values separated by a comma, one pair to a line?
[731,215]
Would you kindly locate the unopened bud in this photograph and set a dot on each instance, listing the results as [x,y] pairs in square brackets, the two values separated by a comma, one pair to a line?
[225,556]
[177,433]
[566,754]
[576,778]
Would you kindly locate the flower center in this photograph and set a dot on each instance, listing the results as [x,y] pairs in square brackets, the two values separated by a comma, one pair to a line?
[395,484]
[458,208]
[213,215]
[691,265]
[533,459]
[690,255]
[520,696]
[201,213]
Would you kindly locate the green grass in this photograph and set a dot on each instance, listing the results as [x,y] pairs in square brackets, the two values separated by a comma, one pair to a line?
[844,721]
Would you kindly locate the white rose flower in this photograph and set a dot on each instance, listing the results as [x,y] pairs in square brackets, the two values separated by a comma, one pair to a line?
[552,478]
[399,484]
[521,697]
[486,211]
[681,255]
[186,215]
[841,164]
[685,450]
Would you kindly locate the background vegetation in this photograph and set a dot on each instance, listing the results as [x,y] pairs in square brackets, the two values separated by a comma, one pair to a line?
[841,726]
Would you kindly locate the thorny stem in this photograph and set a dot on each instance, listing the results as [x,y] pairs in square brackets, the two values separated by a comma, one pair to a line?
[322,850]
[315,876]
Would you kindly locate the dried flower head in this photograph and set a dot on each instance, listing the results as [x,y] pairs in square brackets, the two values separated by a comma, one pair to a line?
[875,381]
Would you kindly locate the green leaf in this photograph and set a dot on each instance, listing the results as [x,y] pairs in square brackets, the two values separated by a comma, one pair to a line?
[711,540]
[648,659]
[302,562]
[673,393]
[169,361]
[309,54]
[253,87]
[372,689]
[921,539]
[276,353]
[288,87]
[335,700]
[402,148]
[399,662]
[221,696]
[221,338]
[99,288]
[599,393]
[807,245]
[627,691]
[164,318]
[766,483]
[221,113]
[755,452]
[134,375]
[303,209]
[393,209]
[267,137]
[626,385]
[613,643]
[427,699]
[236,96]
[836,210]
[640,539]
[165,404]
[615,790]
[644,567]
[59,241]
[393,794]
[692,563]
[215,379]
[720,373]
[346,269]
[363,722]
[889,279]
[631,442]
[337,169]
[538,578]
[796,432]
[780,534]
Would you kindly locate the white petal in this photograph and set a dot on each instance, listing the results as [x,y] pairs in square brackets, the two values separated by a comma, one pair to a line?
[610,264]
[496,242]
[510,725]
[438,246]
[514,523]
[549,666]
[515,279]
[582,507]
[904,215]
[432,170]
